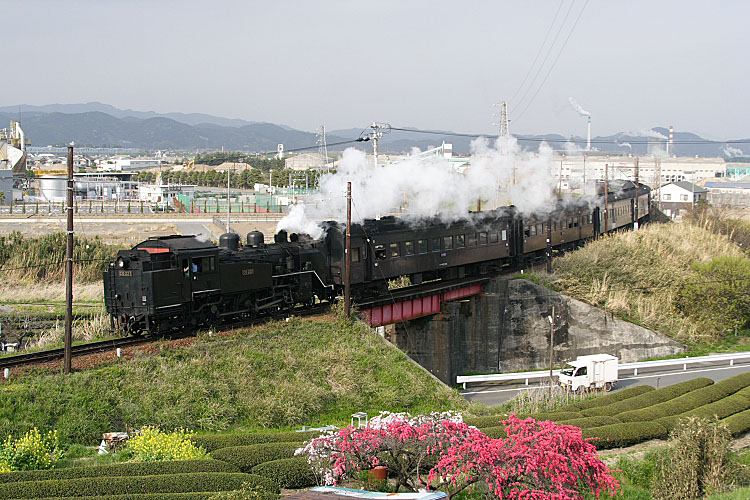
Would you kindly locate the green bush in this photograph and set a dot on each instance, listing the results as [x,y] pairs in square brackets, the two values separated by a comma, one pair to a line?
[608,399]
[697,461]
[739,423]
[152,444]
[32,451]
[247,457]
[690,401]
[719,299]
[587,422]
[248,492]
[99,486]
[497,432]
[141,496]
[625,434]
[719,409]
[121,469]
[293,473]
[649,398]
[212,442]
[494,420]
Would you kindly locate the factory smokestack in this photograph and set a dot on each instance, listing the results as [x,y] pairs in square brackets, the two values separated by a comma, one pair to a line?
[585,113]
[670,146]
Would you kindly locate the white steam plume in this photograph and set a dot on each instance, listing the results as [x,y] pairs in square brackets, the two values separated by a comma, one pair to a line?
[625,144]
[730,151]
[578,107]
[646,133]
[419,187]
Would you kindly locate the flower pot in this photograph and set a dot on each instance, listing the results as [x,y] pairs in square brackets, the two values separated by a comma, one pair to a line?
[379,473]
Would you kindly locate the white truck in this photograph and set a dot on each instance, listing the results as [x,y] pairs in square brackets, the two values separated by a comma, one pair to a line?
[589,372]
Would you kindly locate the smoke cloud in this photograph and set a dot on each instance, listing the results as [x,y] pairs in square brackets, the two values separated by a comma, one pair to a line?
[646,133]
[425,186]
[730,151]
[578,107]
[625,144]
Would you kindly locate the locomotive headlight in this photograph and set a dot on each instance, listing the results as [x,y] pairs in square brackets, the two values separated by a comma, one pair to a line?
[122,263]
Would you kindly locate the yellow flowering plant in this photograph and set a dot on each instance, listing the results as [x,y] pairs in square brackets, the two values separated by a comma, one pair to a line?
[150,444]
[32,451]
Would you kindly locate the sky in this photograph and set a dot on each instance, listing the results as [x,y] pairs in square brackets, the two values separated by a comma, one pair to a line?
[435,64]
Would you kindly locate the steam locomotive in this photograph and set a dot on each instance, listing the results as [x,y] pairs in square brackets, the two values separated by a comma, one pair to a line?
[175,282]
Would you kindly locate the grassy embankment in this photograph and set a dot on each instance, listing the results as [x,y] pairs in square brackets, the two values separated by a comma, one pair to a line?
[688,281]
[276,376]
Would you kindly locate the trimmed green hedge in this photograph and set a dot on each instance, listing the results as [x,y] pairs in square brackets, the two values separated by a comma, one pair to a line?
[690,401]
[588,422]
[739,423]
[121,469]
[118,485]
[211,442]
[205,495]
[608,399]
[494,420]
[293,473]
[625,434]
[247,457]
[649,398]
[497,432]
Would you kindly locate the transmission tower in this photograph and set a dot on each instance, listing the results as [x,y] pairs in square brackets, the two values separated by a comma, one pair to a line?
[323,146]
[502,123]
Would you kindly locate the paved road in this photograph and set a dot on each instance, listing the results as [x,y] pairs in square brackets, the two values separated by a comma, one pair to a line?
[495,394]
[196,228]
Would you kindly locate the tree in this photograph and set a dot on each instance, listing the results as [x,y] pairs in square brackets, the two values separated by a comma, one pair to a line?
[537,460]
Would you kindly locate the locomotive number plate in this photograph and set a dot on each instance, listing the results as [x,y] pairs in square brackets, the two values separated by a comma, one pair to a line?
[248,272]
[126,273]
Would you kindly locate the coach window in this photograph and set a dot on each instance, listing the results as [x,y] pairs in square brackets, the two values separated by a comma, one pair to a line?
[355,254]
[460,241]
[422,246]
[540,229]
[435,244]
[380,252]
[394,250]
[493,237]
[447,242]
[483,238]
[591,219]
[472,240]
[532,230]
[527,232]
[409,247]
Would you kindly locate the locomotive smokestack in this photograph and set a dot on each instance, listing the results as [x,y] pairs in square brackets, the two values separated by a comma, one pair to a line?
[670,147]
[588,139]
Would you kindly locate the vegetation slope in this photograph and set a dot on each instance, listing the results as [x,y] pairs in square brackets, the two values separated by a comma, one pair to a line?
[279,375]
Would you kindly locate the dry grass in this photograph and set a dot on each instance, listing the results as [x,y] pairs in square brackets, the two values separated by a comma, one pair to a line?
[637,275]
[49,292]
[84,330]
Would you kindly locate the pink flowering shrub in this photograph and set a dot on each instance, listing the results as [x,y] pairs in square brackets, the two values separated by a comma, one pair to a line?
[536,461]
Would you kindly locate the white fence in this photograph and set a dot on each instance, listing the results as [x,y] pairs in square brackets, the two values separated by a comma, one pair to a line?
[685,362]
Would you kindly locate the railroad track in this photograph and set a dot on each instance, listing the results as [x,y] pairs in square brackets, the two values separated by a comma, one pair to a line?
[109,345]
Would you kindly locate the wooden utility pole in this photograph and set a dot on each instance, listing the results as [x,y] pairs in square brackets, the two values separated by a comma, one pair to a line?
[551,347]
[68,351]
[606,196]
[635,221]
[348,259]
[549,244]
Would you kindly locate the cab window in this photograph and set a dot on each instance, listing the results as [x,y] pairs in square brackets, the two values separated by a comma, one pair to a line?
[409,247]
[394,250]
[380,252]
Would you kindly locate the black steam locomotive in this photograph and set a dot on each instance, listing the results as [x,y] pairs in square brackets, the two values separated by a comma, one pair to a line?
[175,282]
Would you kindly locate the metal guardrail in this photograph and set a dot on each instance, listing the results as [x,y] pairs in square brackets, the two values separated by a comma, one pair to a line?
[526,376]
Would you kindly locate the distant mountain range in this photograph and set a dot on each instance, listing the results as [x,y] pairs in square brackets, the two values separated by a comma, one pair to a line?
[97,124]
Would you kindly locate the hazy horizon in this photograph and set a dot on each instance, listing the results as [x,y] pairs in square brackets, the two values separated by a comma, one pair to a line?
[436,65]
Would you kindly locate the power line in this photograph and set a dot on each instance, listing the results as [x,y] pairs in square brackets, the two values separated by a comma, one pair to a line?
[553,63]
[538,52]
[521,138]
[549,51]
